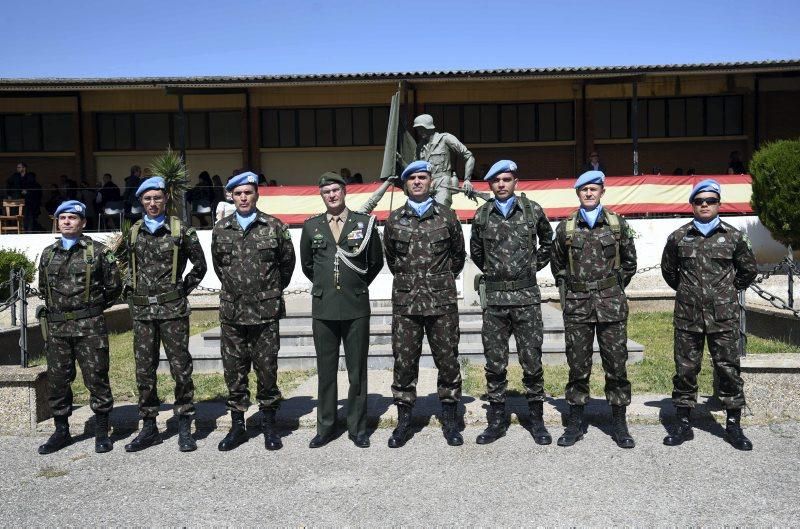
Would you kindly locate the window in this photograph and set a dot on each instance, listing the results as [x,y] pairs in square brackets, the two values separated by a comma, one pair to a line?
[324,127]
[156,130]
[672,117]
[36,133]
[506,123]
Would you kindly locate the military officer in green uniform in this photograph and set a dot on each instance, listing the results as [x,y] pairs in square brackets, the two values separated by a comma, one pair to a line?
[594,259]
[340,252]
[503,245]
[425,252]
[254,259]
[78,278]
[159,247]
[707,261]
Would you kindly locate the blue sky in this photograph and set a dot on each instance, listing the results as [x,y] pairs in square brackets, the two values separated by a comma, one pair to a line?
[202,37]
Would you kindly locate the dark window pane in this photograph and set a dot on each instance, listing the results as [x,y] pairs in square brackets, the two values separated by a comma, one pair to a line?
[57,133]
[452,120]
[152,131]
[656,118]
[380,121]
[565,127]
[306,128]
[527,122]
[733,115]
[715,125]
[676,109]
[489,132]
[225,129]
[694,116]
[619,119]
[2,135]
[547,122]
[324,127]
[197,130]
[437,113]
[123,131]
[641,118]
[13,133]
[602,119]
[472,124]
[508,123]
[344,126]
[270,136]
[31,133]
[105,132]
[288,127]
[361,126]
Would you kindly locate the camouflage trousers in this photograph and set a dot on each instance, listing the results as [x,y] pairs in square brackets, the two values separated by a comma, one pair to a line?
[148,335]
[443,335]
[256,345]
[525,322]
[724,349]
[613,341]
[91,353]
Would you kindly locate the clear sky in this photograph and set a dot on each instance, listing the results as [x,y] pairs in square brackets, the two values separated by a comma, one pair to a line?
[229,37]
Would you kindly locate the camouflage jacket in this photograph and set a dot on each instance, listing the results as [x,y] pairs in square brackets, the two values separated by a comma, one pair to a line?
[425,254]
[707,272]
[504,249]
[254,266]
[439,150]
[62,283]
[154,271]
[346,296]
[593,256]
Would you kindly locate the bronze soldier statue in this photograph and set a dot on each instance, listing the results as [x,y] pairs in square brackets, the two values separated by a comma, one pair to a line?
[254,259]
[78,278]
[503,245]
[707,261]
[438,149]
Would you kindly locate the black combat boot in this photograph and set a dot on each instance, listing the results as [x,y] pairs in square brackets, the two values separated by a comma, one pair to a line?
[148,436]
[272,441]
[733,431]
[102,443]
[186,442]
[237,434]
[60,437]
[683,430]
[574,431]
[619,428]
[496,417]
[403,431]
[540,434]
[449,426]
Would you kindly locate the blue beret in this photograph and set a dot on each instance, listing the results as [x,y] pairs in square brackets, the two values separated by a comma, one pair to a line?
[154,182]
[420,166]
[503,166]
[246,178]
[708,184]
[71,206]
[590,177]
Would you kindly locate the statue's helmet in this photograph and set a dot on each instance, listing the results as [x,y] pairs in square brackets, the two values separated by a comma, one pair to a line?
[424,121]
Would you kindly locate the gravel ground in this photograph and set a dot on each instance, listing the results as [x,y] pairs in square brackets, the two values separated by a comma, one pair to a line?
[511,482]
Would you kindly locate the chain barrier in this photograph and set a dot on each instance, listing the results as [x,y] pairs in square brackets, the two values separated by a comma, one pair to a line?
[774,300]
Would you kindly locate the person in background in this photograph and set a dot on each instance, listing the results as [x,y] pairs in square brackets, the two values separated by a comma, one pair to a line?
[735,165]
[594,163]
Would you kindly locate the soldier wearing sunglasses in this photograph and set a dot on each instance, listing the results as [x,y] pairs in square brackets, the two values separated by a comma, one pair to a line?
[707,262]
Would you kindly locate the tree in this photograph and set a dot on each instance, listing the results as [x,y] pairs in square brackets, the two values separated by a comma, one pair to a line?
[775,169]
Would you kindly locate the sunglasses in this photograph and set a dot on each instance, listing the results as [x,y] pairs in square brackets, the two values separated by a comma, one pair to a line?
[710,201]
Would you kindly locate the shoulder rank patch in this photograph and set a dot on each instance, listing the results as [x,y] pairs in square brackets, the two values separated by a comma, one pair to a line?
[111,258]
[747,240]
[287,234]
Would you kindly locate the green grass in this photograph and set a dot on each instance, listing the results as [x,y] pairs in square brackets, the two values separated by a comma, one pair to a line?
[122,373]
[652,375]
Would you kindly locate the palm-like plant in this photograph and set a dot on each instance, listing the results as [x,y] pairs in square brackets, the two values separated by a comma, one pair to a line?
[171,167]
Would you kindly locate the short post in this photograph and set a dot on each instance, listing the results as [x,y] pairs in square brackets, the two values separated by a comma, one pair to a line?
[790,276]
[13,292]
[742,325]
[23,328]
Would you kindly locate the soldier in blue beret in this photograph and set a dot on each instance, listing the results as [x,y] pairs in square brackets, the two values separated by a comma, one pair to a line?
[154,182]
[73,324]
[246,178]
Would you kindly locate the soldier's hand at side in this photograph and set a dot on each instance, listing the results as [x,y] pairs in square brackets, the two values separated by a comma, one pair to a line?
[467,188]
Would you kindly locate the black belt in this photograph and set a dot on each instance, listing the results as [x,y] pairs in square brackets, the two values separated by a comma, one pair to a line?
[57,317]
[497,286]
[158,299]
[588,286]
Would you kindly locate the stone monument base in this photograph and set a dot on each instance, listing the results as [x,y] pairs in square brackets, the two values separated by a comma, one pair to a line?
[23,399]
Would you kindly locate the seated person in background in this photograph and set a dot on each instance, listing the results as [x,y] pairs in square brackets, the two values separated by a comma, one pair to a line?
[735,165]
[594,163]
[201,197]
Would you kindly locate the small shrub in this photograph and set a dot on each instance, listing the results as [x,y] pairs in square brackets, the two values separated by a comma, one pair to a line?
[11,258]
[776,172]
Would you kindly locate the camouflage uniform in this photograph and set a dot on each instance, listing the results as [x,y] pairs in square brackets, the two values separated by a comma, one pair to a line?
[438,151]
[254,266]
[77,327]
[425,254]
[707,272]
[595,302]
[504,249]
[160,312]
